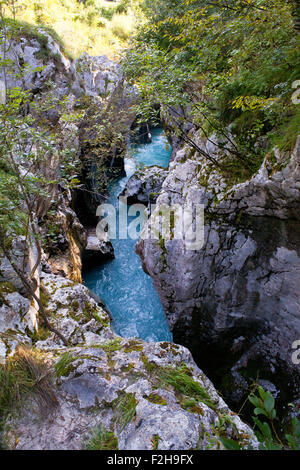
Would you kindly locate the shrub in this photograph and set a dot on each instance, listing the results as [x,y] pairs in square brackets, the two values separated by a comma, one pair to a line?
[265,426]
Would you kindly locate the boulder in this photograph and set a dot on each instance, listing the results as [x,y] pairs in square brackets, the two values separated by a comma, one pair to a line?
[97,250]
[98,76]
[145,185]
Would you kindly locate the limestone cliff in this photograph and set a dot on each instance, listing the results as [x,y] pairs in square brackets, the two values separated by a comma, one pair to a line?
[38,64]
[235,302]
[149,395]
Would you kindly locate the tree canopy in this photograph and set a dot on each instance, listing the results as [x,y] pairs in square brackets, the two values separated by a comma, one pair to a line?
[231,64]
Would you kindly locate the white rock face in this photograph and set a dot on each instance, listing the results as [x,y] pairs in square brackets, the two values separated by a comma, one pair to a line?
[107,370]
[236,300]
[98,76]
[145,185]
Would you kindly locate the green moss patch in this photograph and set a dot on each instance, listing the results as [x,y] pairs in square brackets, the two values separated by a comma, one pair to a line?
[155,441]
[127,368]
[156,399]
[27,372]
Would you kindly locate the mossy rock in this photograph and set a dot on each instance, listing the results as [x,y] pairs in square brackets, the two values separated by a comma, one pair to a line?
[156,399]
[6,288]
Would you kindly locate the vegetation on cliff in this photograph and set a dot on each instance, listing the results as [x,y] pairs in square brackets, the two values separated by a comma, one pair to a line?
[226,68]
[234,66]
[93,26]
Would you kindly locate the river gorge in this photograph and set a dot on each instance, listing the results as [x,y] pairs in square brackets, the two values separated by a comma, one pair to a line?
[122,284]
[140,343]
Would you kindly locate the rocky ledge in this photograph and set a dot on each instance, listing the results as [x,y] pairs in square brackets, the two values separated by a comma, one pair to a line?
[235,302]
[145,395]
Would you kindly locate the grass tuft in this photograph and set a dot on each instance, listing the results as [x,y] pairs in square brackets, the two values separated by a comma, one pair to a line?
[96,27]
[25,373]
[155,441]
[101,439]
[285,138]
[125,409]
[64,366]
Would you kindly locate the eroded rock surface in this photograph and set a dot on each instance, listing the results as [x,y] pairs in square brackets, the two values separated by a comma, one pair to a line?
[97,249]
[50,74]
[235,302]
[145,185]
[145,393]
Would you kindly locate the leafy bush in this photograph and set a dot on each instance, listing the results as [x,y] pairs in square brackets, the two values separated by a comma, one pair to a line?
[63,366]
[265,426]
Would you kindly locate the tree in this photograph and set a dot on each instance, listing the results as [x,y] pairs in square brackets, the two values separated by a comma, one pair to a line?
[30,174]
[31,168]
[207,57]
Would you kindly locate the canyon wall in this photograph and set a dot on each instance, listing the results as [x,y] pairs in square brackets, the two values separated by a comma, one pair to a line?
[130,394]
[235,302]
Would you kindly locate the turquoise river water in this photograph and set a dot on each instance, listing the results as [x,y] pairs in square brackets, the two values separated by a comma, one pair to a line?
[121,283]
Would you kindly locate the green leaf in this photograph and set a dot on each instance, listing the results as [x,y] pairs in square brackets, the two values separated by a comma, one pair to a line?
[269,402]
[254,400]
[260,411]
[230,444]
